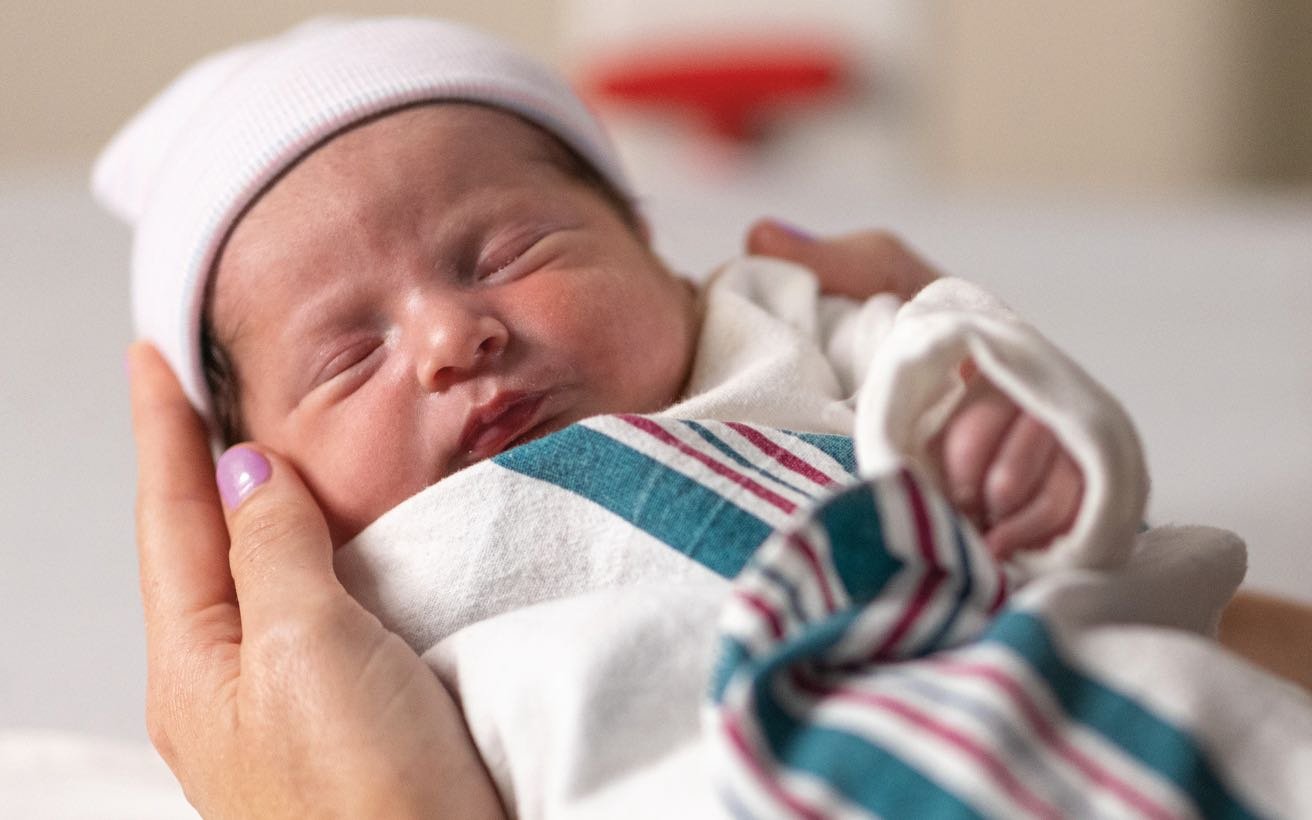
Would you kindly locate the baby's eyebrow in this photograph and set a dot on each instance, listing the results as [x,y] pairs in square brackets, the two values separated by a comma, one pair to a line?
[323,307]
[305,321]
[308,326]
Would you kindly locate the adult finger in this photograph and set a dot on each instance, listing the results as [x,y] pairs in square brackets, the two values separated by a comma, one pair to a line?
[281,556]
[182,543]
[771,237]
[857,265]
[1049,514]
[1021,463]
[192,624]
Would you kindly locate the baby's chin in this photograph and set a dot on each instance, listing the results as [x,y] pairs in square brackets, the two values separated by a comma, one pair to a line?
[344,534]
[344,527]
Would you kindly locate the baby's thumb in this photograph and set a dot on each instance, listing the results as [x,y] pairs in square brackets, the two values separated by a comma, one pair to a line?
[281,553]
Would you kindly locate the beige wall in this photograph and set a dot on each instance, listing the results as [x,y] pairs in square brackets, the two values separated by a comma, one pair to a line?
[72,70]
[1279,38]
[1117,94]
[1121,94]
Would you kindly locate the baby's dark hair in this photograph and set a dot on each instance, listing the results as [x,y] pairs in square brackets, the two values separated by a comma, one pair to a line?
[222,382]
[221,376]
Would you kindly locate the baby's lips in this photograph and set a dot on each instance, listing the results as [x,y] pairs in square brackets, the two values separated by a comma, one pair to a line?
[499,422]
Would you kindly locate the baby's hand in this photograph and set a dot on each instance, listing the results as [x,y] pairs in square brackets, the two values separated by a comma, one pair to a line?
[1006,471]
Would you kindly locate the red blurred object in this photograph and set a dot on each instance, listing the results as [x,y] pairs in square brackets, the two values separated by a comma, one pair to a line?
[732,87]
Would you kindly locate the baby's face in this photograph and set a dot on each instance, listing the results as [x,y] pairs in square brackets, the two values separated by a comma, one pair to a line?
[429,289]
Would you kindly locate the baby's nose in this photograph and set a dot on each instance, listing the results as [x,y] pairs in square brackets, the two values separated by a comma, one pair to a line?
[459,348]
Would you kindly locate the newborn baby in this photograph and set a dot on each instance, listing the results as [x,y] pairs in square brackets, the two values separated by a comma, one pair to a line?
[386,291]
[425,291]
[437,285]
[389,250]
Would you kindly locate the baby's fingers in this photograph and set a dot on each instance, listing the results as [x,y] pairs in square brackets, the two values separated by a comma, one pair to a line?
[1025,457]
[1049,514]
[969,441]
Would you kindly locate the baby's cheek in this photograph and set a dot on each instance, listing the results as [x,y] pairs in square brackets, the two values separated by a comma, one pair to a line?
[358,475]
[561,322]
[656,348]
[559,304]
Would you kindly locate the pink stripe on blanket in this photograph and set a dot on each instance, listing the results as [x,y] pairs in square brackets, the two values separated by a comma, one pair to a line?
[765,610]
[763,777]
[993,767]
[1047,732]
[720,468]
[800,543]
[788,459]
[1002,592]
[933,577]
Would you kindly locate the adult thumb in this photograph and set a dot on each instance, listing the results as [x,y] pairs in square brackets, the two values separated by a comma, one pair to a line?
[770,237]
[281,551]
[841,265]
[857,265]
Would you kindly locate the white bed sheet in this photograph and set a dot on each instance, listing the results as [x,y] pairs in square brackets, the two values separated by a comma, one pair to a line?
[47,775]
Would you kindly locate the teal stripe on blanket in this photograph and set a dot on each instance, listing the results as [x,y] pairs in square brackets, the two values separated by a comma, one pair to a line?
[964,579]
[861,771]
[736,660]
[864,566]
[662,502]
[733,455]
[839,448]
[856,542]
[852,525]
[1158,745]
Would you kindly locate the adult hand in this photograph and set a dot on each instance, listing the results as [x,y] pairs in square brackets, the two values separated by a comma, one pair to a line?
[857,265]
[271,692]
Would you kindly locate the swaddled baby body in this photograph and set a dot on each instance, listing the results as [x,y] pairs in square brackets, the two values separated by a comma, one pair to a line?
[437,276]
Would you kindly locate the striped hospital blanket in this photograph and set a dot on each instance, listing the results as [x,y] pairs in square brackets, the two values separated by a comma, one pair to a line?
[875,661]
[682,616]
[656,617]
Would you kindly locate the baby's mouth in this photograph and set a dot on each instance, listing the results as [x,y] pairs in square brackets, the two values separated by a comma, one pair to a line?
[499,424]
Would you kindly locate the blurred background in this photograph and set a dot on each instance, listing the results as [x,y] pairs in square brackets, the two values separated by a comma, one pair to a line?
[1136,178]
[1115,96]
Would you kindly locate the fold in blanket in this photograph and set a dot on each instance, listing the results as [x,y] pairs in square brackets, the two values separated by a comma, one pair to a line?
[863,653]
[876,661]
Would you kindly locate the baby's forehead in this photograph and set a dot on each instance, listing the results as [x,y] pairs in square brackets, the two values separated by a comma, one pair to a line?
[409,170]
[475,127]
[465,145]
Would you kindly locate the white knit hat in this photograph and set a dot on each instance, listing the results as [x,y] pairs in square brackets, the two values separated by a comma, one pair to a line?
[184,168]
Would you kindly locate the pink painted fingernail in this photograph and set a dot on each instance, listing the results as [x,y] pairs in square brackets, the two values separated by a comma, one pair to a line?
[794,231]
[238,472]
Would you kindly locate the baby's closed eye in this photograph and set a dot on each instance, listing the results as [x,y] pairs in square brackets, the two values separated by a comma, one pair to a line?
[348,366]
[507,254]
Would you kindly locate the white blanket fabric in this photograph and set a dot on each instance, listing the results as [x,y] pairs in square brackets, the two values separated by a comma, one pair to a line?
[569,591]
